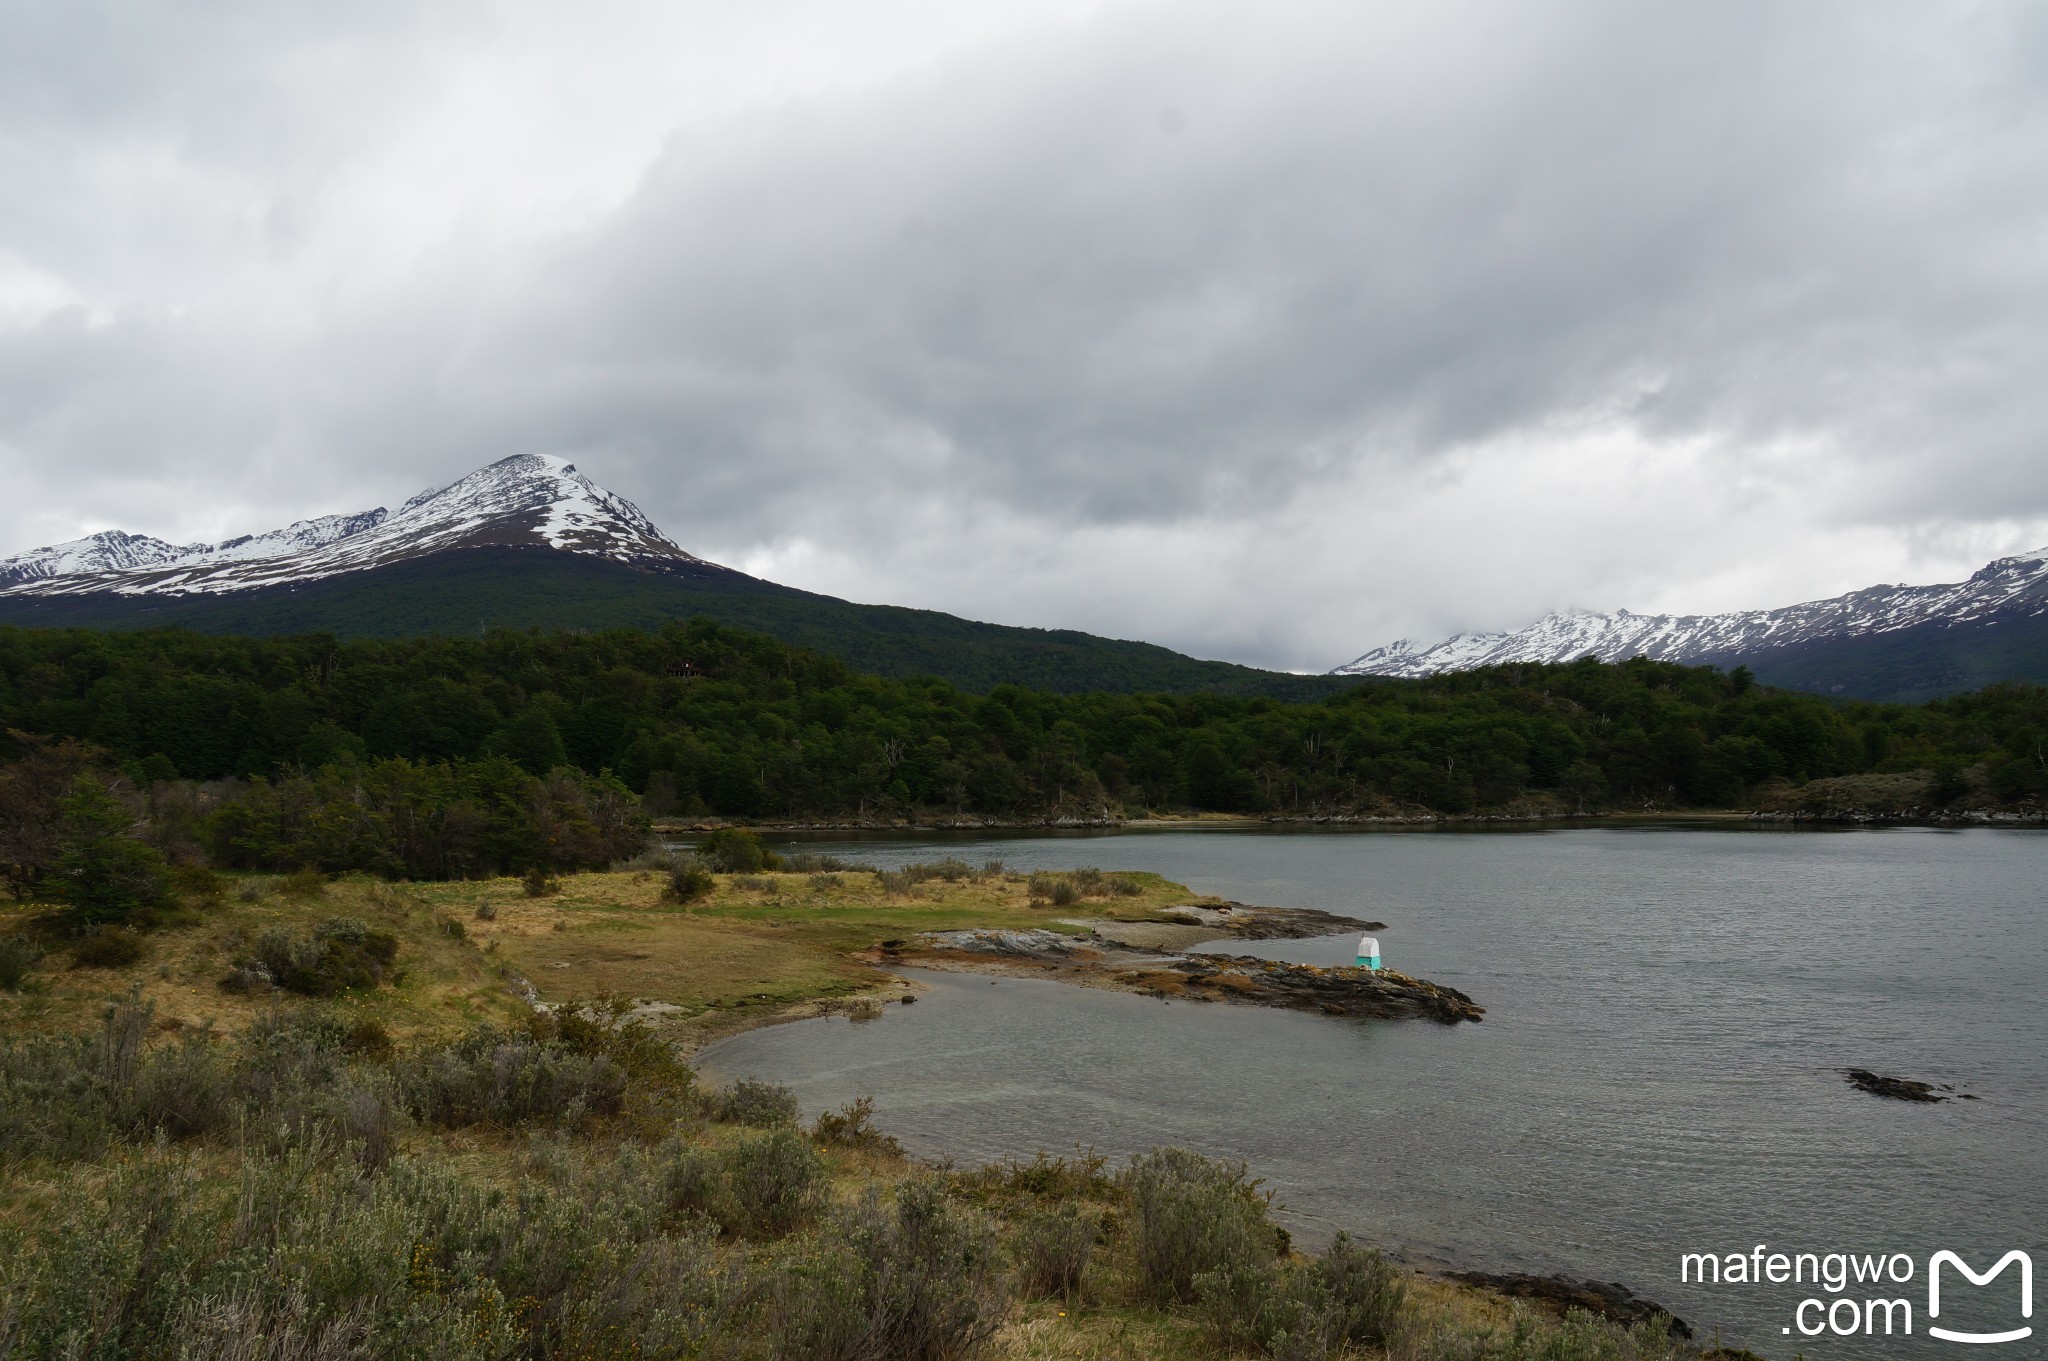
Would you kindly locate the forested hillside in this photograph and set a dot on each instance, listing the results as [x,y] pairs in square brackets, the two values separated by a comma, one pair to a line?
[463,592]
[703,719]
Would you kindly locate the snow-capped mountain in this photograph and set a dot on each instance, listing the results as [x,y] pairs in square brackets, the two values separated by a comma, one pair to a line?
[2016,586]
[528,499]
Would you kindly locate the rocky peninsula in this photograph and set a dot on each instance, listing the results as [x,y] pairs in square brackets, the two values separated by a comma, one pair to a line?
[1152,958]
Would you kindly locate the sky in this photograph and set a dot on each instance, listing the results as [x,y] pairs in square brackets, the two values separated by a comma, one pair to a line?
[1267,332]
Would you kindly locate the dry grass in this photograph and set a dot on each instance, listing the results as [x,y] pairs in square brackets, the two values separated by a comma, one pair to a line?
[758,941]
[1047,1331]
[741,955]
[445,984]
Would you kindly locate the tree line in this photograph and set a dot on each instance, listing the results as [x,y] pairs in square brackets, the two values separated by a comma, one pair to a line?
[422,745]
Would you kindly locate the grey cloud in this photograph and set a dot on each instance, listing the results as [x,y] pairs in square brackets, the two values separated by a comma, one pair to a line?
[1250,288]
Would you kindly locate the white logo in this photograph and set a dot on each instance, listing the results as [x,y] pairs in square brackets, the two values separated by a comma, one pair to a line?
[1934,1294]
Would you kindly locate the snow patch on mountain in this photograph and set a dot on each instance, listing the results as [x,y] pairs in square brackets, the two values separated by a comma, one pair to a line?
[530,499]
[2018,583]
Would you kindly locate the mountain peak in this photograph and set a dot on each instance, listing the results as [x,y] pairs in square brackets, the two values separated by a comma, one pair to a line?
[524,500]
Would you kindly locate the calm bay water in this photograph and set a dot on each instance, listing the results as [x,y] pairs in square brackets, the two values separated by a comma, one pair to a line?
[1669,1010]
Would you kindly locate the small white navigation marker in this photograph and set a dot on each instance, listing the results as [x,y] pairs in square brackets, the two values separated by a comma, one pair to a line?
[1368,952]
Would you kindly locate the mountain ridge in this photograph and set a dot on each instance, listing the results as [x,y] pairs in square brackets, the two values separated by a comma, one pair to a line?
[528,542]
[523,499]
[2011,589]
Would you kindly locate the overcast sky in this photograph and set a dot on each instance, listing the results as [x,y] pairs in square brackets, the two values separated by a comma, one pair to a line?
[1269,332]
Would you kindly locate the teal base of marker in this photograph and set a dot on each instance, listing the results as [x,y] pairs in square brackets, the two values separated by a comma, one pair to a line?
[1369,962]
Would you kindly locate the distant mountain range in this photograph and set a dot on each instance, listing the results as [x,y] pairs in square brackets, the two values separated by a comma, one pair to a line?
[531,542]
[1883,642]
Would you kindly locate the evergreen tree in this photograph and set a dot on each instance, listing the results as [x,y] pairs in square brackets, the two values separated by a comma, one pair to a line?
[102,873]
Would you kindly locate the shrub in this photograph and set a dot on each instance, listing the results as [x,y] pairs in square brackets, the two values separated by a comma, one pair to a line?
[1350,1295]
[908,1282]
[775,1182]
[809,862]
[198,881]
[108,947]
[949,869]
[494,1078]
[341,955]
[692,1183]
[307,883]
[850,1127]
[18,958]
[1082,1177]
[309,1259]
[649,857]
[1123,886]
[368,1039]
[538,883]
[247,976]
[756,883]
[1065,893]
[735,850]
[180,1090]
[1195,1217]
[915,1282]
[1348,1298]
[606,1028]
[762,1105]
[1052,1248]
[688,882]
[486,910]
[824,883]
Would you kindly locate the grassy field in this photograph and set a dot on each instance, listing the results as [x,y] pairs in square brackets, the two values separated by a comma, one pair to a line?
[425,1166]
[757,944]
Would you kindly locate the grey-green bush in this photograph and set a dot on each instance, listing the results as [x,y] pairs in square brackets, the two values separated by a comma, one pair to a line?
[310,1258]
[1051,1249]
[775,1181]
[912,1281]
[492,1077]
[1195,1216]
[759,1104]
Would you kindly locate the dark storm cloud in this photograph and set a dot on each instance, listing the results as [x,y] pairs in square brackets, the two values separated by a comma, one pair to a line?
[1267,335]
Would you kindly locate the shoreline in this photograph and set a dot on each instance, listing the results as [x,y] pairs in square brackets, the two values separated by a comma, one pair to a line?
[1154,960]
[1758,818]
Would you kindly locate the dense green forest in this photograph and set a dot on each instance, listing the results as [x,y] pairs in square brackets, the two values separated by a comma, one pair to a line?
[703,719]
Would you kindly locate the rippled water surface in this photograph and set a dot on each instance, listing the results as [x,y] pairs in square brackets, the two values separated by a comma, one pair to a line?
[1669,1010]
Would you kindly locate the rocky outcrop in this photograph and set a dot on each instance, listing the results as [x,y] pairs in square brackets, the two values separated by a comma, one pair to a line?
[1897,1088]
[1098,960]
[1609,1299]
[1383,995]
[1277,923]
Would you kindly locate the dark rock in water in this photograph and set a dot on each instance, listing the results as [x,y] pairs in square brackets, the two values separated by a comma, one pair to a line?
[1609,1299]
[1287,923]
[1897,1088]
[1385,995]
[1345,991]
